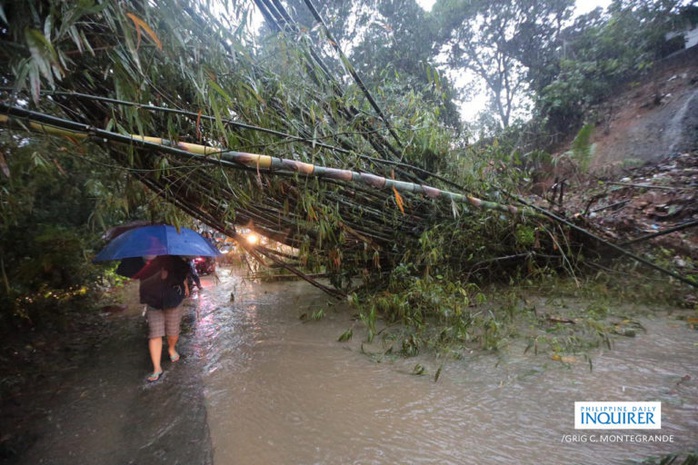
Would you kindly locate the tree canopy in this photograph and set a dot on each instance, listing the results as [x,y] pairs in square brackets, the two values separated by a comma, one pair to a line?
[498,40]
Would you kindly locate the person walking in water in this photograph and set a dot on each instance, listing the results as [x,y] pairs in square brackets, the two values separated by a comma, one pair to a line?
[163,287]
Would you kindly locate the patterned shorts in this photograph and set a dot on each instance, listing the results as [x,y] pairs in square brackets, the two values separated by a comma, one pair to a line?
[164,322]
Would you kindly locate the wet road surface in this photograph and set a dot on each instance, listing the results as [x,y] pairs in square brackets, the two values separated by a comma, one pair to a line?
[257,384]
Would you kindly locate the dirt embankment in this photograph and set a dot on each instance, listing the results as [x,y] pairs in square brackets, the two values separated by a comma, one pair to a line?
[654,118]
[641,206]
[640,190]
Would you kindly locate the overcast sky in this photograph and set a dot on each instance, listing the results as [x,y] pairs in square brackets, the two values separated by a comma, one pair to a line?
[585,6]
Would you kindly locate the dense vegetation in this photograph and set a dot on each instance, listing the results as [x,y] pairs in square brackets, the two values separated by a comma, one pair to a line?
[366,86]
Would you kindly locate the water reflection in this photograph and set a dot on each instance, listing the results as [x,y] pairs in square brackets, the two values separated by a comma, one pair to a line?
[281,391]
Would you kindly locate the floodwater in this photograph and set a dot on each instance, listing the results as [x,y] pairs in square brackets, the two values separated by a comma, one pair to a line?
[258,384]
[281,390]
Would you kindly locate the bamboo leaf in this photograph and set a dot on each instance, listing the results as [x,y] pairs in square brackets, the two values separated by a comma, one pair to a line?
[48,27]
[399,201]
[346,335]
[143,26]
[418,369]
[34,82]
[74,34]
[4,166]
[438,373]
[69,19]
[43,53]
[220,90]
[454,209]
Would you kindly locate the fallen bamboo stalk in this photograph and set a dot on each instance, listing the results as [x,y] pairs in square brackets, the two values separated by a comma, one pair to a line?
[42,123]
[680,227]
[648,186]
[613,205]
[283,277]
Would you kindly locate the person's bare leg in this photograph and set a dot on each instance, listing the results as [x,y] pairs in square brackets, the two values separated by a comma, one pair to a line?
[172,347]
[155,347]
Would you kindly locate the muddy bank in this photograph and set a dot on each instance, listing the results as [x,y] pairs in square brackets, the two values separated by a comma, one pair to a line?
[654,117]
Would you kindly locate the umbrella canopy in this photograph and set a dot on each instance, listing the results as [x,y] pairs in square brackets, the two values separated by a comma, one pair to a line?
[161,239]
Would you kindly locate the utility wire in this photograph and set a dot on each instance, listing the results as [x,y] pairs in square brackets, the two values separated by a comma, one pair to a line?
[274,9]
[352,71]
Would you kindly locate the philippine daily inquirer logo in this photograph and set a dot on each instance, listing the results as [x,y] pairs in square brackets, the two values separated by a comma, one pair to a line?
[617,415]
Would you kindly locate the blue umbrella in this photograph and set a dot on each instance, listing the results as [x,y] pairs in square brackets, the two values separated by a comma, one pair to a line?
[160,239]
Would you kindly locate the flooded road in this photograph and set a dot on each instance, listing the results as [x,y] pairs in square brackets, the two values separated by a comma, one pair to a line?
[280,390]
[258,384]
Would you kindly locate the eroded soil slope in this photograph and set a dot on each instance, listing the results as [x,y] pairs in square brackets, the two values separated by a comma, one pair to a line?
[653,118]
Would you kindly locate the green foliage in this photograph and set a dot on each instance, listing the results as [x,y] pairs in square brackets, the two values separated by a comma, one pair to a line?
[581,148]
[600,54]
[45,267]
[433,313]
[525,236]
[41,60]
[390,45]
[346,335]
[497,41]
[46,204]
[581,145]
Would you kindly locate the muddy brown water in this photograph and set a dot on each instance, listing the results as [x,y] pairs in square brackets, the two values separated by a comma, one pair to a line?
[259,385]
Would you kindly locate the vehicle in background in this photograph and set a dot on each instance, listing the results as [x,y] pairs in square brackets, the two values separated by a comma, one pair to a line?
[205,265]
